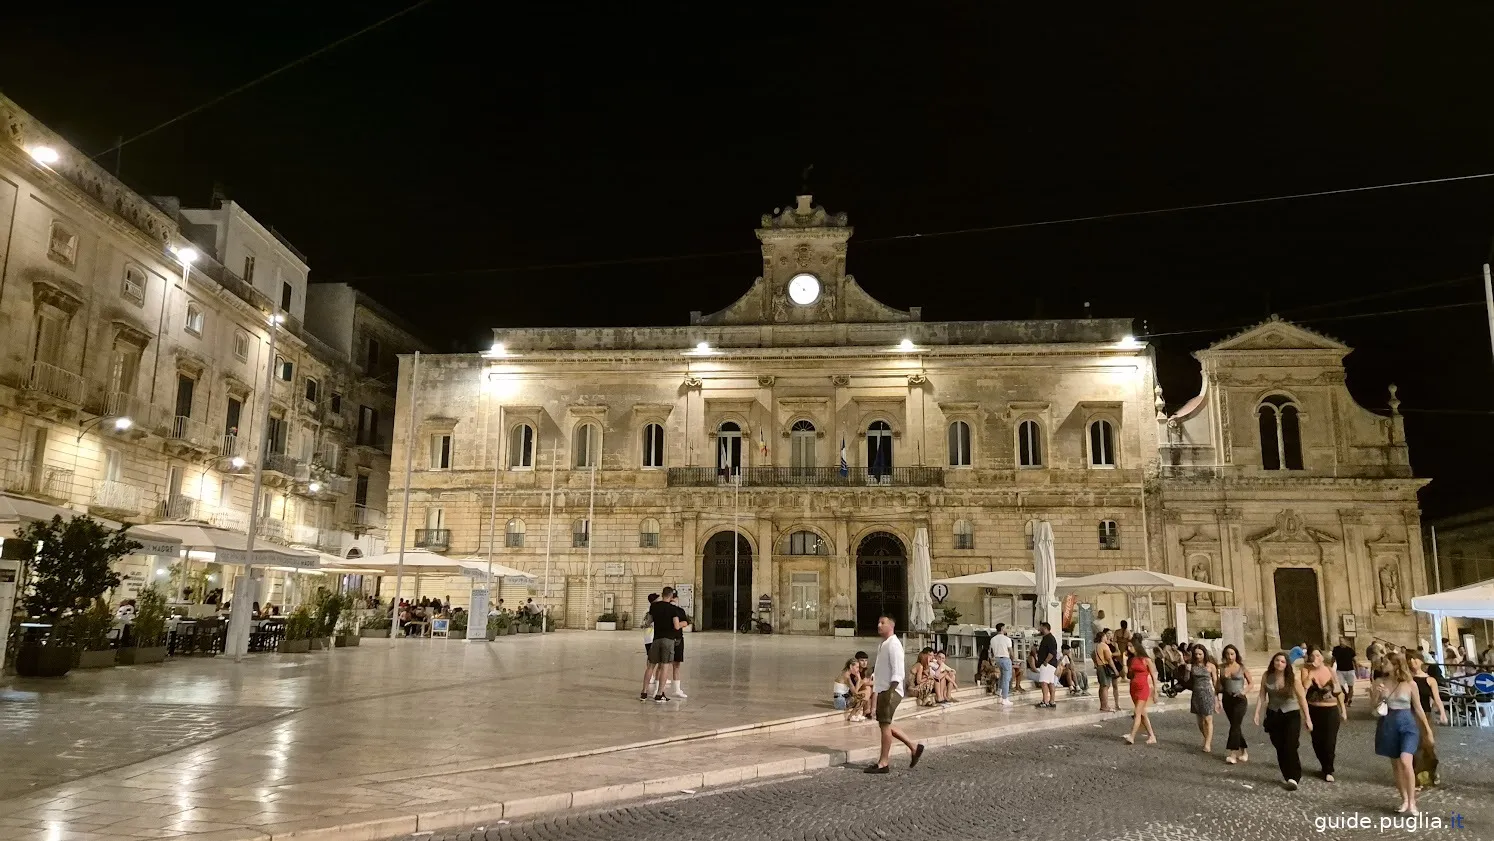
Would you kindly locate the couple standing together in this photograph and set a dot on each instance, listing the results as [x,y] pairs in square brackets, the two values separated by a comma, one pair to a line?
[665,645]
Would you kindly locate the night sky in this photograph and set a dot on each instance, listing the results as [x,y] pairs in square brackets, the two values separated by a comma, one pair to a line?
[458,162]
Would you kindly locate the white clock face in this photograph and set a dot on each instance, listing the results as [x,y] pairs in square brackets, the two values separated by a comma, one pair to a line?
[804,289]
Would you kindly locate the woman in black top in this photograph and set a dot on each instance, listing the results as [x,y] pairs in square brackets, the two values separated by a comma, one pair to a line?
[1426,687]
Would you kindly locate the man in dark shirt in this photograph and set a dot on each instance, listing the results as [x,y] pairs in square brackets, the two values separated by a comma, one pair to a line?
[1047,662]
[669,622]
[1343,667]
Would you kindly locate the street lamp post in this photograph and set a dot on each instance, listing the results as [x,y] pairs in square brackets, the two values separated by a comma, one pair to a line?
[243,596]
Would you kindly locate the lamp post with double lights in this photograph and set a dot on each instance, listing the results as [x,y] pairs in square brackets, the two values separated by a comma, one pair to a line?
[244,586]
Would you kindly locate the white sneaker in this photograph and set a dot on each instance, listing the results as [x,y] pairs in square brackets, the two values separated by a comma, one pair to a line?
[678,692]
[1006,702]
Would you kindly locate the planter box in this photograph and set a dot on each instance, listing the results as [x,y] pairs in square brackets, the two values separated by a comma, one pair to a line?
[96,659]
[374,633]
[845,632]
[319,643]
[36,660]
[346,641]
[523,629]
[456,635]
[134,656]
[606,626]
[294,647]
[513,629]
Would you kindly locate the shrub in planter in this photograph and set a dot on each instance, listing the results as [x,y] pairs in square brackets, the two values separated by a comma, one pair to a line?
[326,607]
[347,631]
[378,626]
[456,627]
[299,627]
[72,566]
[607,622]
[1169,636]
[845,627]
[90,631]
[147,634]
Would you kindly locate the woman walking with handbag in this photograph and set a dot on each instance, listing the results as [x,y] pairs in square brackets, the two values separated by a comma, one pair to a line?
[1107,670]
[1325,708]
[1402,727]
[1282,702]
[1234,683]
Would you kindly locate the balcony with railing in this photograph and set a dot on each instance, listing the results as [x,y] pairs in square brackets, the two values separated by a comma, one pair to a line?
[191,432]
[361,518]
[817,477]
[276,531]
[178,507]
[124,404]
[120,498]
[436,540]
[24,477]
[230,446]
[57,383]
[283,464]
[324,540]
[227,518]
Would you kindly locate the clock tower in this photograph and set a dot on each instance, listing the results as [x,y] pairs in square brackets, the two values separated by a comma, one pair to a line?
[804,278]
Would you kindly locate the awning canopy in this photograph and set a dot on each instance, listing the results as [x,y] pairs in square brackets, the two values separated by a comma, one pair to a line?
[1006,579]
[18,510]
[230,547]
[1475,601]
[1136,582]
[476,564]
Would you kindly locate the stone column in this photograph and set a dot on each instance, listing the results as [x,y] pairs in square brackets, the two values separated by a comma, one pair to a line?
[1233,556]
[1171,560]
[842,564]
[1271,631]
[763,580]
[1360,601]
[691,557]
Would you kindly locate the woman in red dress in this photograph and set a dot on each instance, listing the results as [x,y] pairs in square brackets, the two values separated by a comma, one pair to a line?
[1143,674]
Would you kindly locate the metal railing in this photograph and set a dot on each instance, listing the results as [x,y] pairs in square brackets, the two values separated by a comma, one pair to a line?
[275,530]
[329,456]
[282,463]
[368,518]
[228,445]
[190,431]
[781,477]
[22,476]
[225,518]
[53,381]
[178,507]
[437,540]
[114,495]
[123,404]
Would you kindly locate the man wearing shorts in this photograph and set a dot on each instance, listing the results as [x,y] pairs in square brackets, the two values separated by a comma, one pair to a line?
[649,669]
[887,689]
[679,648]
[1343,668]
[666,619]
[1047,663]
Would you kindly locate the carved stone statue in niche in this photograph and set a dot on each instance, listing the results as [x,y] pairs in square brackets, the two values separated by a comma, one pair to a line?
[780,307]
[1200,572]
[840,607]
[829,304]
[1390,586]
[1174,431]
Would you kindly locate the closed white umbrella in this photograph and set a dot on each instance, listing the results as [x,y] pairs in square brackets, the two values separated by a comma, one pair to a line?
[921,609]
[1045,574]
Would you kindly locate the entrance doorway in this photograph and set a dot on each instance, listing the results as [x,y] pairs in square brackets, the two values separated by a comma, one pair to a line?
[881,582]
[716,576]
[1297,616]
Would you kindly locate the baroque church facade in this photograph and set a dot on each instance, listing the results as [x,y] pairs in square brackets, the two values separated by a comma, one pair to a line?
[783,454]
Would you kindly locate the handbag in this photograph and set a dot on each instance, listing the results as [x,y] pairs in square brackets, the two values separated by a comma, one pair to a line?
[1382,710]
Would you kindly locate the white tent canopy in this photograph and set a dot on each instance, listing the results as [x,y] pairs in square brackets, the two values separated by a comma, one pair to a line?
[497,570]
[229,547]
[1476,601]
[1136,582]
[19,510]
[1006,579]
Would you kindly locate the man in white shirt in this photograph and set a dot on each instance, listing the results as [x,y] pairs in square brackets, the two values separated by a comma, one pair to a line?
[887,685]
[1001,652]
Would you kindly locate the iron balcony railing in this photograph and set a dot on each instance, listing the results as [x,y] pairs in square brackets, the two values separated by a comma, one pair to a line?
[190,431]
[282,463]
[225,518]
[278,531]
[53,381]
[787,477]
[368,518]
[123,404]
[178,507]
[116,496]
[436,540]
[229,445]
[22,476]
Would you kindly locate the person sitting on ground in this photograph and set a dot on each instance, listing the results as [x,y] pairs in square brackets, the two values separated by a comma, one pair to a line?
[1077,681]
[946,674]
[857,691]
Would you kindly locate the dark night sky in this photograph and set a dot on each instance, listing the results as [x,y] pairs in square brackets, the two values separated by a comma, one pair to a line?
[477,136]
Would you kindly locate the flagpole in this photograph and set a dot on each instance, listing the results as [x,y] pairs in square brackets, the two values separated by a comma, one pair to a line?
[591,507]
[549,535]
[736,543]
[404,525]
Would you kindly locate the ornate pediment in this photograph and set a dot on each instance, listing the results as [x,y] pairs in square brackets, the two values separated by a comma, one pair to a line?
[1291,542]
[1276,334]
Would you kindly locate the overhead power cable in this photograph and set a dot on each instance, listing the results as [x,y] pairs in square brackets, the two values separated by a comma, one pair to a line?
[665,258]
[267,76]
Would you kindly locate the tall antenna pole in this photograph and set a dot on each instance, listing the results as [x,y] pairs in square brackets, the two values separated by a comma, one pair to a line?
[238,618]
[493,506]
[404,524]
[550,529]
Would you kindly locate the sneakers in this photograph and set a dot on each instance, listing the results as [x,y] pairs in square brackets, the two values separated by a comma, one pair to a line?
[643,696]
[1006,702]
[678,692]
[858,717]
[1291,785]
[659,699]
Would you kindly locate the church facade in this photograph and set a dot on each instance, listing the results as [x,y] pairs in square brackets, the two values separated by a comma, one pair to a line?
[784,454]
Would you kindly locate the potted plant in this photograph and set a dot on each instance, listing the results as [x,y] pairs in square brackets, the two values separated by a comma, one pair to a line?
[325,609]
[147,634]
[91,632]
[456,628]
[607,622]
[845,627]
[299,627]
[72,566]
[375,626]
[497,624]
[347,631]
[523,623]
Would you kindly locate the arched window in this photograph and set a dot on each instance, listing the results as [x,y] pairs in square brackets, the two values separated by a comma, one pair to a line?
[648,534]
[802,441]
[1101,444]
[521,447]
[806,543]
[1281,433]
[1110,536]
[514,534]
[729,449]
[581,533]
[1028,531]
[959,444]
[879,450]
[587,444]
[653,445]
[1029,444]
[964,534]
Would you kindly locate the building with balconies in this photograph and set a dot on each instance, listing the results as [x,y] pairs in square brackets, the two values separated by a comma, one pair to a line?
[788,449]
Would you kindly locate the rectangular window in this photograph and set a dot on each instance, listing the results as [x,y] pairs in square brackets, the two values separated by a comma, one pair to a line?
[285,297]
[241,346]
[62,245]
[248,268]
[134,285]
[371,358]
[360,492]
[50,331]
[186,391]
[231,418]
[284,369]
[195,318]
[581,534]
[440,452]
[313,390]
[335,403]
[277,433]
[124,370]
[368,426]
[113,465]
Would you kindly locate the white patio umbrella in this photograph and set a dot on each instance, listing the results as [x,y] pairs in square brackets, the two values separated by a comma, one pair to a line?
[231,547]
[1136,582]
[495,570]
[921,607]
[1005,579]
[1475,601]
[1045,574]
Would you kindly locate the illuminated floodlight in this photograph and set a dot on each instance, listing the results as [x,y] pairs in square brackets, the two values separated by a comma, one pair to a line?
[45,155]
[237,462]
[122,424]
[905,345]
[314,487]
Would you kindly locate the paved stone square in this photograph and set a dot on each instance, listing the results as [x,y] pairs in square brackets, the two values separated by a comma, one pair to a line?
[1075,784]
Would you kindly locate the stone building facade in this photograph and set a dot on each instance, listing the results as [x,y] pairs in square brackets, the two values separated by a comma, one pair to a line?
[825,429]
